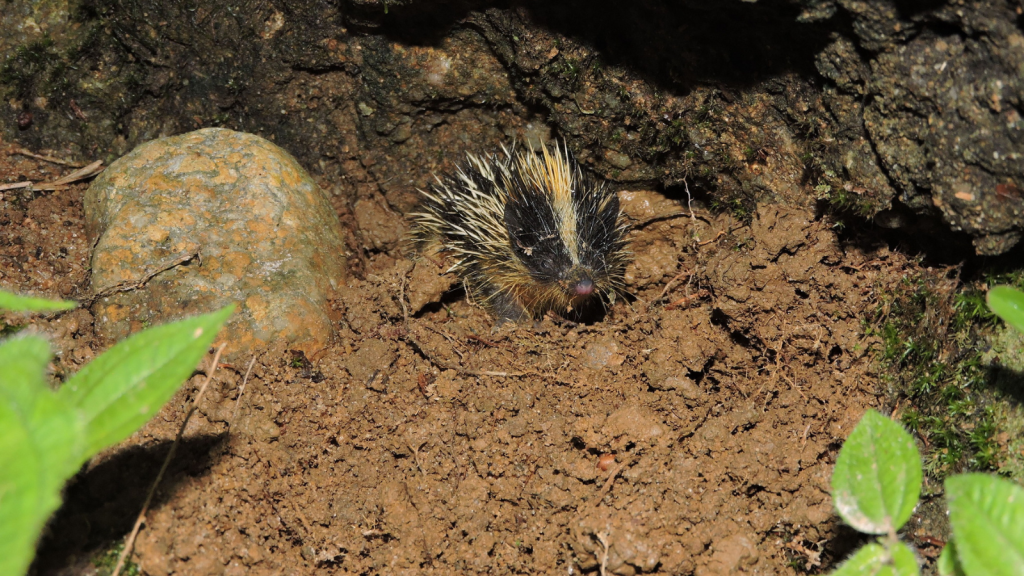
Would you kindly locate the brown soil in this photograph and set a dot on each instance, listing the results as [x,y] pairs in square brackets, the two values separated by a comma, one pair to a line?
[433,443]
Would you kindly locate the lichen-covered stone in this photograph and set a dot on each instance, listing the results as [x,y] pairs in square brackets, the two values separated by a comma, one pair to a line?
[219,217]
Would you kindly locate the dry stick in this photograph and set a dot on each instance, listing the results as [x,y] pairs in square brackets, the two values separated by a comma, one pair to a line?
[130,285]
[15,186]
[713,240]
[401,300]
[602,537]
[860,266]
[813,558]
[685,301]
[691,214]
[481,340]
[62,182]
[450,339]
[130,543]
[50,159]
[80,174]
[582,111]
[659,218]
[241,390]
[446,366]
[415,455]
[669,284]
[689,200]
[608,483]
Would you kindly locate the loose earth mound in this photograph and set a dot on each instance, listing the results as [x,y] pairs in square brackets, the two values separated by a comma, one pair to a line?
[432,443]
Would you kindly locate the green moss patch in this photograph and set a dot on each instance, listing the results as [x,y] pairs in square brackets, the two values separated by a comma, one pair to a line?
[941,362]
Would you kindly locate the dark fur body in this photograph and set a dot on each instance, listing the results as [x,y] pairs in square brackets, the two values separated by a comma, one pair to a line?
[528,233]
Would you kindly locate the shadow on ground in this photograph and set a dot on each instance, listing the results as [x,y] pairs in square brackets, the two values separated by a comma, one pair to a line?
[103,500]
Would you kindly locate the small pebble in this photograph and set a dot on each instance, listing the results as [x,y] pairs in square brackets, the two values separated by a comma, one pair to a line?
[605,462]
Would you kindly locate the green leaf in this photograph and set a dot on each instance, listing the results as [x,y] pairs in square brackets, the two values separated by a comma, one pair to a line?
[24,360]
[17,303]
[877,477]
[40,444]
[53,426]
[867,560]
[987,516]
[949,563]
[1008,304]
[875,560]
[26,499]
[904,562]
[124,387]
[45,436]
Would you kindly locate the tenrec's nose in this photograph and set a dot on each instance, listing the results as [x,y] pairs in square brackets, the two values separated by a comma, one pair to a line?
[584,287]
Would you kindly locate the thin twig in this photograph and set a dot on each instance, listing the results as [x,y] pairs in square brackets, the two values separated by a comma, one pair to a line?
[602,537]
[608,483]
[62,182]
[659,218]
[80,174]
[15,186]
[689,200]
[416,455]
[499,374]
[130,543]
[715,239]
[582,111]
[241,390]
[686,300]
[481,340]
[136,284]
[860,266]
[401,300]
[446,366]
[668,284]
[50,159]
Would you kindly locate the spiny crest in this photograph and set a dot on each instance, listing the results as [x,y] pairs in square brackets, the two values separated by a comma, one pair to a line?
[558,176]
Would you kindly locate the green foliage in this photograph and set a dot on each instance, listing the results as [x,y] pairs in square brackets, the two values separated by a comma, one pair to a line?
[27,61]
[823,168]
[707,114]
[45,436]
[38,445]
[930,357]
[875,486]
[843,201]
[971,307]
[881,501]
[1008,304]
[877,560]
[739,209]
[987,515]
[106,561]
[14,302]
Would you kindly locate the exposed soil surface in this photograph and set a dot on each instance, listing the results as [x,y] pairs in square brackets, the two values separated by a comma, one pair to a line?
[691,430]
